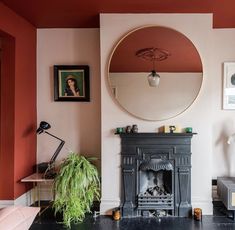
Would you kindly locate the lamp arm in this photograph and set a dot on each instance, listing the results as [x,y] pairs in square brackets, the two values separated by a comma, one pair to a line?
[53,158]
[53,135]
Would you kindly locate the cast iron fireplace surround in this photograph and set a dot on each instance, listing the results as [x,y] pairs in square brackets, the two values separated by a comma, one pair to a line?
[156,174]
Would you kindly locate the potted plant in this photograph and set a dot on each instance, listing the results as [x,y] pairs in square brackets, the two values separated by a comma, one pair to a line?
[76,186]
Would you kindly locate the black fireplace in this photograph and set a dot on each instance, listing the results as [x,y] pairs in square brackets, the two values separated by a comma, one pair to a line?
[156,174]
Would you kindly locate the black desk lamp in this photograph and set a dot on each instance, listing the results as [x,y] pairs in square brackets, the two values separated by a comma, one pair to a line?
[48,167]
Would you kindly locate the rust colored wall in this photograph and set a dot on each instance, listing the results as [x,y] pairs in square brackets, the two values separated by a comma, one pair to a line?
[18,103]
[42,13]
[7,119]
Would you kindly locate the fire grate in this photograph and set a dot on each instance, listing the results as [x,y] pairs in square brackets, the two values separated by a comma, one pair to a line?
[155,202]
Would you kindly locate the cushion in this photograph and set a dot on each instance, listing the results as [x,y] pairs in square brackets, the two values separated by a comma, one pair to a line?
[17,217]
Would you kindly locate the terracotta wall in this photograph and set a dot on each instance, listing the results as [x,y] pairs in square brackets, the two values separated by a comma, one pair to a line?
[18,103]
[7,119]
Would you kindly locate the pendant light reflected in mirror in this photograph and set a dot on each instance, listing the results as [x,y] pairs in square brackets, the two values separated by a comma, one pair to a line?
[153,79]
[153,54]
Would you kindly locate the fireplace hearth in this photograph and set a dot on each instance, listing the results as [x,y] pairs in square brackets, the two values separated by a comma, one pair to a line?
[156,174]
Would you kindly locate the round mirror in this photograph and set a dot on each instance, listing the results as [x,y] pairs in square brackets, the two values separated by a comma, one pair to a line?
[155,73]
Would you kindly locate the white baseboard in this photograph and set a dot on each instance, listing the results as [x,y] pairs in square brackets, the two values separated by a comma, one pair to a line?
[205,204]
[5,203]
[107,205]
[24,200]
[27,198]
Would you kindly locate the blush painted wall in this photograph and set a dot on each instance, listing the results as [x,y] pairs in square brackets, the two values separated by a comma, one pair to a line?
[18,102]
[223,121]
[78,123]
[211,157]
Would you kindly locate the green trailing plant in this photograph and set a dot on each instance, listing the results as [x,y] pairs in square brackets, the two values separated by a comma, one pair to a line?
[76,186]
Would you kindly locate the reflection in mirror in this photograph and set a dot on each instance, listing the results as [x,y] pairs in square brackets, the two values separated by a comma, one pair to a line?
[180,73]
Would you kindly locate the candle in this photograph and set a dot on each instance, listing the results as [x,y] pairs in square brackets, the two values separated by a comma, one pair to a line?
[197,213]
[116,214]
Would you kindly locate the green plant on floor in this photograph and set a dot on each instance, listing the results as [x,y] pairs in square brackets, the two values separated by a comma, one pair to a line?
[76,186]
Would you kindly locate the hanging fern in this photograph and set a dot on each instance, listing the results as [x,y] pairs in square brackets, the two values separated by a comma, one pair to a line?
[76,186]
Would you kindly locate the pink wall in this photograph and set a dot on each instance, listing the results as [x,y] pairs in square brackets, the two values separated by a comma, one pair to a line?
[199,115]
[18,102]
[78,123]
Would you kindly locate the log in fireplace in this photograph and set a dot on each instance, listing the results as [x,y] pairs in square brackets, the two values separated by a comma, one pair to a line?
[156,174]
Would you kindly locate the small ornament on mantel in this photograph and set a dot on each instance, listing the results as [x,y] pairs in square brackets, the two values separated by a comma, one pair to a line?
[128,129]
[188,129]
[170,129]
[119,130]
[134,129]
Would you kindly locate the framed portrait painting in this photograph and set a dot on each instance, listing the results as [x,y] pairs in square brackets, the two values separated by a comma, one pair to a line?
[71,83]
[229,85]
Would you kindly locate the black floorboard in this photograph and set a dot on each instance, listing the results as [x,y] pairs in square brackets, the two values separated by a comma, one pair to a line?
[220,220]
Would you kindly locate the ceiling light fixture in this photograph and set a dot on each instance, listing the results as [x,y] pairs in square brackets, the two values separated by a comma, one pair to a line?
[153,54]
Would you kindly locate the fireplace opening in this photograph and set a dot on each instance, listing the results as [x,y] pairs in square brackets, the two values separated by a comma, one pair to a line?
[156,194]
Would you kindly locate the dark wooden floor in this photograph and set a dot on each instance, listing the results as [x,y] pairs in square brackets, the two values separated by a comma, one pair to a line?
[219,221]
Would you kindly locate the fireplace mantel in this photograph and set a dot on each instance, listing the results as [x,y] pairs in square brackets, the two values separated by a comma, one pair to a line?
[141,147]
[131,135]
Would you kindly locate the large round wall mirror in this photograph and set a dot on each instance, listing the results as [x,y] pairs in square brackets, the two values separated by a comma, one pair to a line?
[155,73]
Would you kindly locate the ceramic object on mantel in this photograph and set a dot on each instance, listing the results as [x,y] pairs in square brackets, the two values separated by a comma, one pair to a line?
[134,129]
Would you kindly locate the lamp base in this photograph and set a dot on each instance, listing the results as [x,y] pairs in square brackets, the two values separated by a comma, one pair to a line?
[42,167]
[50,174]
[48,170]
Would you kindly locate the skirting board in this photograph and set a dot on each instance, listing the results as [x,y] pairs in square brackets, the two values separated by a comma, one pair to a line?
[5,203]
[27,198]
[205,205]
[24,200]
[107,205]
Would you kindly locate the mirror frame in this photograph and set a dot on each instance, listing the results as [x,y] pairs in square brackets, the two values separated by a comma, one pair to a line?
[109,82]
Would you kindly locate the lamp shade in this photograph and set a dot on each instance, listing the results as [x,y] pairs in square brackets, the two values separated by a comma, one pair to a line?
[43,126]
[153,79]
